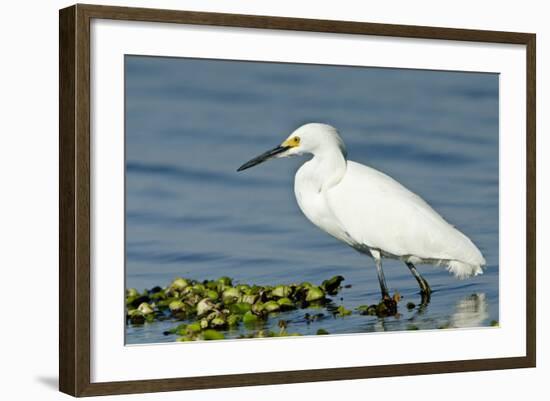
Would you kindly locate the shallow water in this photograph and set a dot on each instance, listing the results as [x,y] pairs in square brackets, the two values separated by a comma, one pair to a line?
[191,123]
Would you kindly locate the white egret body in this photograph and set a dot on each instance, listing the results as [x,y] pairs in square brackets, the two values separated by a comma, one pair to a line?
[370,211]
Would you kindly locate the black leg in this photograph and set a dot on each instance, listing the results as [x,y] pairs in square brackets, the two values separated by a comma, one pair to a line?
[425,289]
[381,278]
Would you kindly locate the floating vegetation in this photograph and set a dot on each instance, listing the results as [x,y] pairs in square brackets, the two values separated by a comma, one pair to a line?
[313,318]
[206,308]
[386,307]
[342,311]
[332,285]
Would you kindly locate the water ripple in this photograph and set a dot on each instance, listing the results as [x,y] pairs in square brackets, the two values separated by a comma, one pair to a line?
[172,257]
[188,173]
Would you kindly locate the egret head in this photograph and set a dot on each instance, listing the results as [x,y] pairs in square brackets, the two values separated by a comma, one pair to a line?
[312,138]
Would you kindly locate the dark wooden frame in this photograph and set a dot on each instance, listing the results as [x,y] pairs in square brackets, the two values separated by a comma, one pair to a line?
[74,199]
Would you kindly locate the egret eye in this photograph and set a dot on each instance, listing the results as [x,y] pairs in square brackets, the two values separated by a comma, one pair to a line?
[296,140]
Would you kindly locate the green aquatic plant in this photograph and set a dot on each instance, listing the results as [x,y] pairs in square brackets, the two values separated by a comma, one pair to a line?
[281,291]
[145,308]
[250,318]
[208,307]
[176,305]
[386,307]
[286,304]
[315,293]
[332,285]
[179,284]
[271,306]
[231,295]
[342,311]
[205,305]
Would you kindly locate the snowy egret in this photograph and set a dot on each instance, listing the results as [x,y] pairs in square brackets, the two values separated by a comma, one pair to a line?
[370,211]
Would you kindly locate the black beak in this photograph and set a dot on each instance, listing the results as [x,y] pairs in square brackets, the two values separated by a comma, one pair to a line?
[263,157]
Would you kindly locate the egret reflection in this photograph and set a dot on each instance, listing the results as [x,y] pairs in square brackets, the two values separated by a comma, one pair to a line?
[471,311]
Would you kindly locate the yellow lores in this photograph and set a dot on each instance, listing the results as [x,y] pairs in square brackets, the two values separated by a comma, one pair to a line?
[291,142]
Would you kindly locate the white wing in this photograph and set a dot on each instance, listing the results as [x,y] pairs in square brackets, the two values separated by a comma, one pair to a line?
[385,215]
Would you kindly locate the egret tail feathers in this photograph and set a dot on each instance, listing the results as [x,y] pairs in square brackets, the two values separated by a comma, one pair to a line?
[463,270]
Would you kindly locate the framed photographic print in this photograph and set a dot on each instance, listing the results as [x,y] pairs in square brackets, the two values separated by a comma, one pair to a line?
[250,200]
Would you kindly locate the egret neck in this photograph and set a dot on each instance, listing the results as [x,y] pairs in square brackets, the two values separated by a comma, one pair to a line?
[323,172]
[325,169]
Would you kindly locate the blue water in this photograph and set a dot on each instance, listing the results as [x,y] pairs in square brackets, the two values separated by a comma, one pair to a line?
[190,123]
